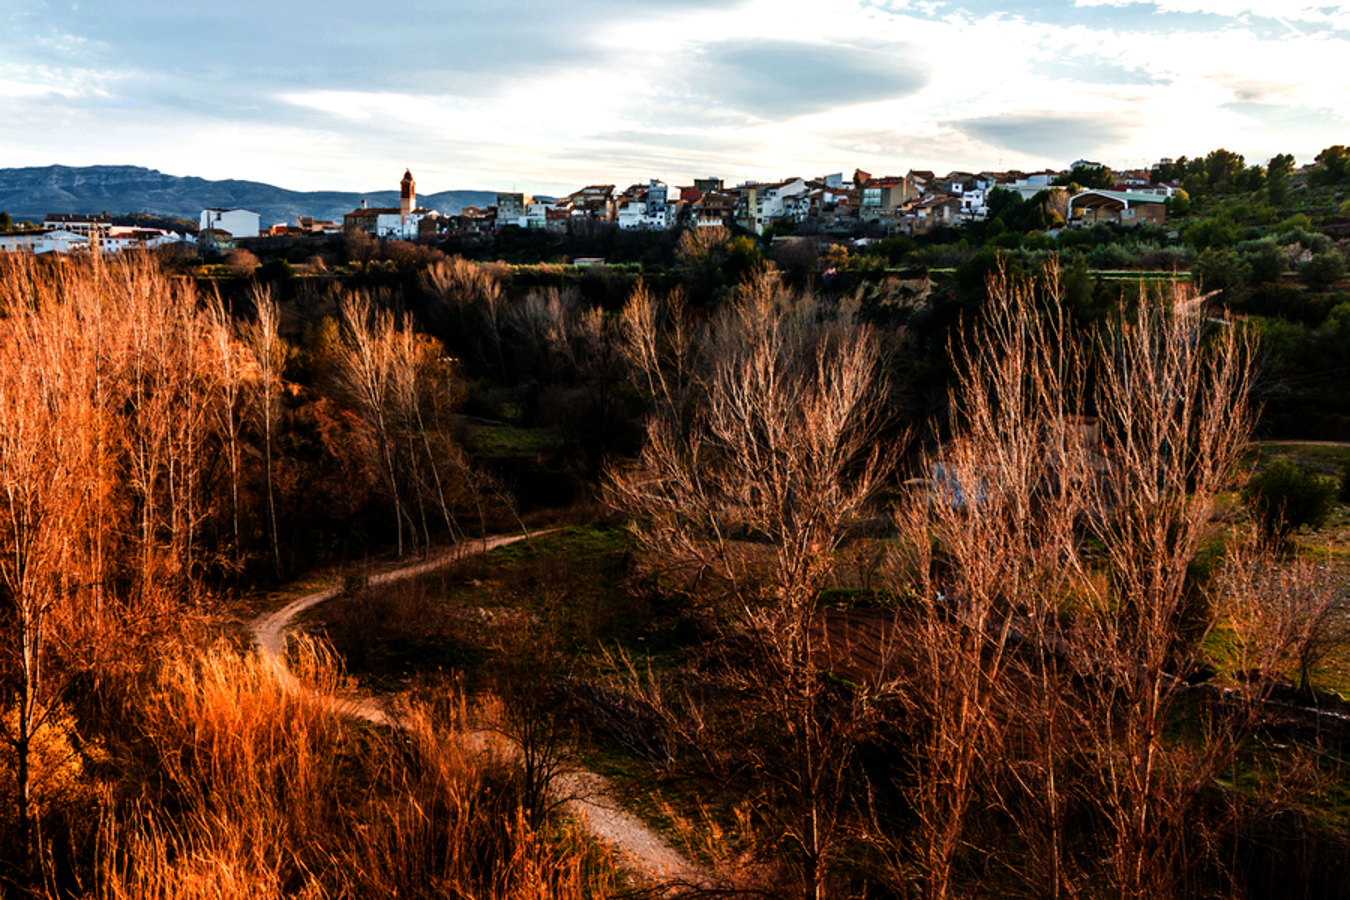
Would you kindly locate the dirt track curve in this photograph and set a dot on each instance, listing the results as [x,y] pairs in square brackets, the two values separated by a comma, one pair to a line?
[646,854]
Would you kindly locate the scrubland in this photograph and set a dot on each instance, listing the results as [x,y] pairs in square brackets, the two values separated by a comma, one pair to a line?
[839,634]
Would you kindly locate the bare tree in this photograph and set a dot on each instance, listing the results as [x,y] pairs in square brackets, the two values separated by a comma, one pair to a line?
[403,387]
[988,543]
[783,446]
[1173,403]
[1287,613]
[469,308]
[104,398]
[269,354]
[578,350]
[242,262]
[361,247]
[44,455]
[660,346]
[783,450]
[367,369]
[230,384]
[1039,653]
[425,393]
[700,255]
[143,337]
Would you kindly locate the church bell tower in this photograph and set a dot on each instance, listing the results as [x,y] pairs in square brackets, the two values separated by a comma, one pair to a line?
[407,195]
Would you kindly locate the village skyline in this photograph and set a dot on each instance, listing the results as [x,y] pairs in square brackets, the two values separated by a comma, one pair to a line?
[916,202]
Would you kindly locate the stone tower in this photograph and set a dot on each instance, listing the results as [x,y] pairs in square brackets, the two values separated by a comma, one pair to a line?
[407,195]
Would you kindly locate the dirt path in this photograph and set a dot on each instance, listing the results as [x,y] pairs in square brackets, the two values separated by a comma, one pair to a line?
[1298,443]
[647,855]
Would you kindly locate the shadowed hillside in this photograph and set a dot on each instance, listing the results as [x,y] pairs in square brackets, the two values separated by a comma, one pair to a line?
[31,193]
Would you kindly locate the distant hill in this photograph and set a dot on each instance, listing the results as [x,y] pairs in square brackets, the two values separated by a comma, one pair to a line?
[31,193]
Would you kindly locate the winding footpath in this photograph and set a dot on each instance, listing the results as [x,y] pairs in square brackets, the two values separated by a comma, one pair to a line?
[646,854]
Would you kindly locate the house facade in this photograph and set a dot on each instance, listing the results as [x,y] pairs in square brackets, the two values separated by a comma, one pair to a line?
[594,202]
[759,204]
[240,223]
[880,198]
[513,209]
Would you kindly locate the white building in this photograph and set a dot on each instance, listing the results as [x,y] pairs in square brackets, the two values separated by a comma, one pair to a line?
[240,223]
[760,204]
[38,242]
[972,203]
[536,214]
[659,208]
[632,215]
[127,237]
[1039,179]
[109,239]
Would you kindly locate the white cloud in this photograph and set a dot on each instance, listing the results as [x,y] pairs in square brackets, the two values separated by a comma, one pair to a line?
[530,94]
[24,89]
[343,104]
[1336,15]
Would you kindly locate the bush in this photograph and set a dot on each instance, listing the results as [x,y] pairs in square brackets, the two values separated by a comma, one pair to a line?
[1287,497]
[1310,240]
[1076,239]
[241,262]
[275,270]
[1175,258]
[1266,261]
[1214,233]
[1298,222]
[1288,302]
[1287,348]
[1110,256]
[1324,269]
[1222,270]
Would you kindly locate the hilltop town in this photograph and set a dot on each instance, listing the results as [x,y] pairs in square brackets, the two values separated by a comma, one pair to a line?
[914,203]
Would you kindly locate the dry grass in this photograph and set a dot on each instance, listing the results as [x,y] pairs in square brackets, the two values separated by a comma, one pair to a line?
[264,793]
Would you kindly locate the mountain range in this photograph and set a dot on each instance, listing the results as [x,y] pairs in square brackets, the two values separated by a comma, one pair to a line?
[31,193]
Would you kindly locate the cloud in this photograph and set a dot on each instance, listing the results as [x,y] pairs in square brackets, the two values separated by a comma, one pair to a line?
[1050,135]
[1285,12]
[674,142]
[1093,71]
[538,92]
[438,45]
[777,79]
[28,89]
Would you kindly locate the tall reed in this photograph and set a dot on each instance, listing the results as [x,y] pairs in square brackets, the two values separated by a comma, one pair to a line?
[267,792]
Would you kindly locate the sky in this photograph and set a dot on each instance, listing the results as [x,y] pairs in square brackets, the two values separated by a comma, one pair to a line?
[546,96]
